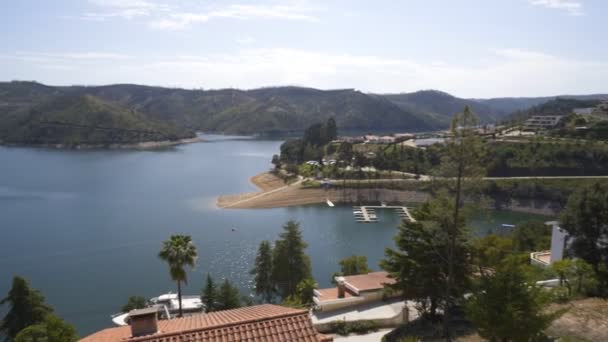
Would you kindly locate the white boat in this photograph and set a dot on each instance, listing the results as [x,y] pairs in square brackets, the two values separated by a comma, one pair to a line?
[329,203]
[168,306]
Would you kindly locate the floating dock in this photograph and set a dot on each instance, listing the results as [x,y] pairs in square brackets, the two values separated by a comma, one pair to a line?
[367,213]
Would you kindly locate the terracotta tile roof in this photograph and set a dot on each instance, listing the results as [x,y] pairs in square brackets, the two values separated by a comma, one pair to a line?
[368,282]
[331,294]
[255,323]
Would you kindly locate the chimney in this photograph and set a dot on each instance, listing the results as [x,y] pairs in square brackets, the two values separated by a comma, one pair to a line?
[341,286]
[143,321]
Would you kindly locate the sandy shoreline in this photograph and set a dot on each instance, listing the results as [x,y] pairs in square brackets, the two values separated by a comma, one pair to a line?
[275,194]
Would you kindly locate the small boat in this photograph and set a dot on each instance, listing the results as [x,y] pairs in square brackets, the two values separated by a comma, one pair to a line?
[167,305]
[504,225]
[329,203]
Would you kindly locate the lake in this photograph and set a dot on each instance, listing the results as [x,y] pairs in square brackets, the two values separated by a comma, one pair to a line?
[85,227]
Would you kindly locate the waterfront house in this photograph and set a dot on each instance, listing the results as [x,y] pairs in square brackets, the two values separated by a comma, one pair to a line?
[559,238]
[255,323]
[352,291]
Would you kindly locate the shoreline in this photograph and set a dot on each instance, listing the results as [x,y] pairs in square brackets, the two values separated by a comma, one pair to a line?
[144,145]
[273,193]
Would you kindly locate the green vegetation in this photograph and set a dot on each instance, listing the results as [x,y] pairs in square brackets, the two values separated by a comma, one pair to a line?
[285,269]
[85,120]
[506,306]
[228,297]
[51,329]
[291,265]
[134,302]
[179,251]
[585,218]
[312,145]
[576,275]
[262,272]
[344,328]
[209,295]
[352,265]
[29,318]
[266,111]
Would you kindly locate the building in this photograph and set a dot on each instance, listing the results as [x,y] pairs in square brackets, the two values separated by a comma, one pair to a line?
[267,323]
[559,238]
[583,111]
[353,290]
[540,122]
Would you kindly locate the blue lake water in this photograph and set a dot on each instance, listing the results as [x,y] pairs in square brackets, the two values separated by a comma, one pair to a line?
[85,227]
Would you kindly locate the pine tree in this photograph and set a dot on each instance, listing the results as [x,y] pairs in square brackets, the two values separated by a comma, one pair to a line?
[262,272]
[228,297]
[509,307]
[290,264]
[52,329]
[26,307]
[418,263]
[586,221]
[459,174]
[209,295]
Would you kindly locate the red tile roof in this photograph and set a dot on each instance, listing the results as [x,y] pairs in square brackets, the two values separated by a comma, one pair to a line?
[255,323]
[368,282]
[331,294]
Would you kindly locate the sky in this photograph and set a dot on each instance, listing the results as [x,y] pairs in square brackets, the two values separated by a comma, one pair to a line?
[469,48]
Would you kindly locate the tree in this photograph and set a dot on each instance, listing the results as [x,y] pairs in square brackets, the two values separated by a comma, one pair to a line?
[26,307]
[531,236]
[228,297]
[490,251]
[509,307]
[459,174]
[331,129]
[585,218]
[134,302]
[574,272]
[354,264]
[179,251]
[418,263]
[52,329]
[262,272]
[303,295]
[291,265]
[209,295]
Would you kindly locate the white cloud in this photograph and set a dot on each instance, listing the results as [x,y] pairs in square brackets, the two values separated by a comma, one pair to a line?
[182,20]
[573,7]
[247,40]
[126,9]
[67,56]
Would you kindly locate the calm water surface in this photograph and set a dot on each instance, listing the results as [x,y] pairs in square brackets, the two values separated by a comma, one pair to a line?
[85,227]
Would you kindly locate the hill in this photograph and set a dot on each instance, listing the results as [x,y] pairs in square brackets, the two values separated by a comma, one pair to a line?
[73,120]
[261,111]
[440,107]
[232,111]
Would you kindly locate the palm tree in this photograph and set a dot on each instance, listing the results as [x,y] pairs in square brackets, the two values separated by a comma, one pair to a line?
[179,251]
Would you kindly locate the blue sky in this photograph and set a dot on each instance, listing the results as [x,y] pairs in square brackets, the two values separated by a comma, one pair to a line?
[470,48]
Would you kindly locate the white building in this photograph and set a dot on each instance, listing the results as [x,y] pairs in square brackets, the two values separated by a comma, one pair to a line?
[559,238]
[538,122]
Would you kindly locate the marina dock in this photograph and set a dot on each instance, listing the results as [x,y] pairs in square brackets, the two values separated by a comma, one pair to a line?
[367,213]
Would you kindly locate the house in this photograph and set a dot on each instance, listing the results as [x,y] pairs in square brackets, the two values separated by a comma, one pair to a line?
[352,291]
[255,323]
[559,238]
[539,122]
